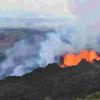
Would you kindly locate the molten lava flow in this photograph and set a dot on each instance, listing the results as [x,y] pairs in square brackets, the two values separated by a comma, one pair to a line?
[75,59]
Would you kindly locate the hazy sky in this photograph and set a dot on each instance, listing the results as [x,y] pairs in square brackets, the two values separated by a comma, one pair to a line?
[47,7]
[88,10]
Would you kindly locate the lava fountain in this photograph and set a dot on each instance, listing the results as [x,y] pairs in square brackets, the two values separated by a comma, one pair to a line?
[74,59]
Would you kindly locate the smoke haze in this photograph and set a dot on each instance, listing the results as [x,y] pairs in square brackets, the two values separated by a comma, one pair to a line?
[39,50]
[27,51]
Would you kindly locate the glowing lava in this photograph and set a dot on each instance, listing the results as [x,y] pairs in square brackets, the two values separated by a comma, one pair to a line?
[74,59]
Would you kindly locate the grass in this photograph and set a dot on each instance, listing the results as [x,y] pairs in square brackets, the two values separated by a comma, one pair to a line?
[94,96]
[47,98]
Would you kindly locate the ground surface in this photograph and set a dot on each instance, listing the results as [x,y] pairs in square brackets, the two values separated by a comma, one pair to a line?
[52,83]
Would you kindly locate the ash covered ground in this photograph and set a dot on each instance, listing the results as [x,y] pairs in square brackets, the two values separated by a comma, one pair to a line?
[53,83]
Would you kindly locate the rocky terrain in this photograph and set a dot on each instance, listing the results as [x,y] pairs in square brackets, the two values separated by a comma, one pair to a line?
[52,83]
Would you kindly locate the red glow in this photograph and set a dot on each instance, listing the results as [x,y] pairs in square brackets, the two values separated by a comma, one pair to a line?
[74,59]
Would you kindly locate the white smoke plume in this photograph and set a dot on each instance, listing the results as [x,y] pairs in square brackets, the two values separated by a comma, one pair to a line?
[39,50]
[67,40]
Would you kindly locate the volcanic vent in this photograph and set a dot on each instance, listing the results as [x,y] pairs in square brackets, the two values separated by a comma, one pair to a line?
[53,82]
[74,59]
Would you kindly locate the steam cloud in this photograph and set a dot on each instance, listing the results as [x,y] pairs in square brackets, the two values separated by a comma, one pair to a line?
[39,50]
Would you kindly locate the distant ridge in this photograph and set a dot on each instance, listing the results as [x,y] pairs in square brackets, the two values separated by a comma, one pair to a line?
[40,23]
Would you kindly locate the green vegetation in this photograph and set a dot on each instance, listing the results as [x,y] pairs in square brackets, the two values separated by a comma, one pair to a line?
[47,98]
[94,96]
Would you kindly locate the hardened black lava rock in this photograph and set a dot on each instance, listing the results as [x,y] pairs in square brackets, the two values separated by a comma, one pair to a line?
[52,83]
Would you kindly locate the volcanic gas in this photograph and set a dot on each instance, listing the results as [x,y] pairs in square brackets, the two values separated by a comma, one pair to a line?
[74,59]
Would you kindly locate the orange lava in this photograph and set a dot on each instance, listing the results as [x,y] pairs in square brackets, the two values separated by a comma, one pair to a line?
[74,59]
